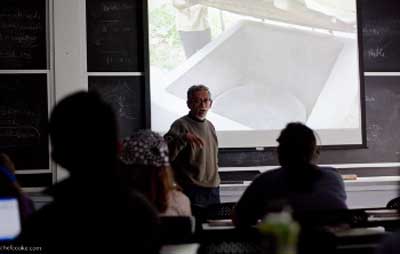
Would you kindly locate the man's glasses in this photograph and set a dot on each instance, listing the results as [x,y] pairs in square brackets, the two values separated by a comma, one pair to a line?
[201,101]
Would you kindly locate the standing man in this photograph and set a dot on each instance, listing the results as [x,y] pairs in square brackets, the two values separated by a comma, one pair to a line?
[193,147]
[192,25]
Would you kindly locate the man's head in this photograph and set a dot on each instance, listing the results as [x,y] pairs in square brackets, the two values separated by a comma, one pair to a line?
[199,101]
[83,134]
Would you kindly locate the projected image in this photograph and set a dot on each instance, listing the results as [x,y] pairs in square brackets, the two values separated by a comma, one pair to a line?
[266,62]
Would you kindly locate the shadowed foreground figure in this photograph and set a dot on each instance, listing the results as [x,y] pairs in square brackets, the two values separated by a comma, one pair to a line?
[300,184]
[91,212]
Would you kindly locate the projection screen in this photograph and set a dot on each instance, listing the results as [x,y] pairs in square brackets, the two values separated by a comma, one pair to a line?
[266,62]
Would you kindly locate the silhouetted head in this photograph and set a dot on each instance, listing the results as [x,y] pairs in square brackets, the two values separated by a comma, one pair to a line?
[83,134]
[297,145]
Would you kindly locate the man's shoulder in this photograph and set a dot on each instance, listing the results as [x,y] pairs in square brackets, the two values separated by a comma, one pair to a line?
[269,175]
[210,123]
[183,119]
[330,174]
[329,170]
[180,121]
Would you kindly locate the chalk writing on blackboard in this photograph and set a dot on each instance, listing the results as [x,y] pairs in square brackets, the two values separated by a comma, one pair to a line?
[23,119]
[119,98]
[125,95]
[374,132]
[116,6]
[21,135]
[113,35]
[368,30]
[19,125]
[381,35]
[23,35]
[376,52]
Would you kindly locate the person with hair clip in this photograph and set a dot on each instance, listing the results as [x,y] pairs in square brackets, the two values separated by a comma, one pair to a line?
[299,183]
[144,164]
[9,187]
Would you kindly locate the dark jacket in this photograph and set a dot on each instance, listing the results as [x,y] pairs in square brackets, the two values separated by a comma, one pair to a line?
[92,220]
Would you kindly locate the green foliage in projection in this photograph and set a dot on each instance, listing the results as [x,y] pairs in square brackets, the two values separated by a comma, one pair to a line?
[165,47]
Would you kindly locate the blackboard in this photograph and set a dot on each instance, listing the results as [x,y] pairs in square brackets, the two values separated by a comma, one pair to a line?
[23,119]
[380,21]
[126,96]
[23,34]
[382,105]
[246,157]
[114,36]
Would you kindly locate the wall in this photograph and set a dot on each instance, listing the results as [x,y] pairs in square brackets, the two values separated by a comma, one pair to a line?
[69,53]
[69,47]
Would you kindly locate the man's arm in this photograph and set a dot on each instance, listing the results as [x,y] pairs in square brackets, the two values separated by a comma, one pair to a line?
[178,138]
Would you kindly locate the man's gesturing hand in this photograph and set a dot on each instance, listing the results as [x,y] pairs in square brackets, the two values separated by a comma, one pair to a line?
[194,140]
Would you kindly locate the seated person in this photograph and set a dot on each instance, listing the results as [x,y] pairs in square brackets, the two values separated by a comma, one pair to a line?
[299,182]
[9,187]
[145,165]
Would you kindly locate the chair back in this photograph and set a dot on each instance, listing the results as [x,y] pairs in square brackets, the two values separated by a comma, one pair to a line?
[176,229]
[220,211]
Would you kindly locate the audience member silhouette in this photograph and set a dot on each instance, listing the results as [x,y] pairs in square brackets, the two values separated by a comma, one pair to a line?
[299,183]
[145,165]
[91,212]
[9,187]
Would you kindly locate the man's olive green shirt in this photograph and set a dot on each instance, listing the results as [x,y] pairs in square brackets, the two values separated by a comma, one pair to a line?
[192,164]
